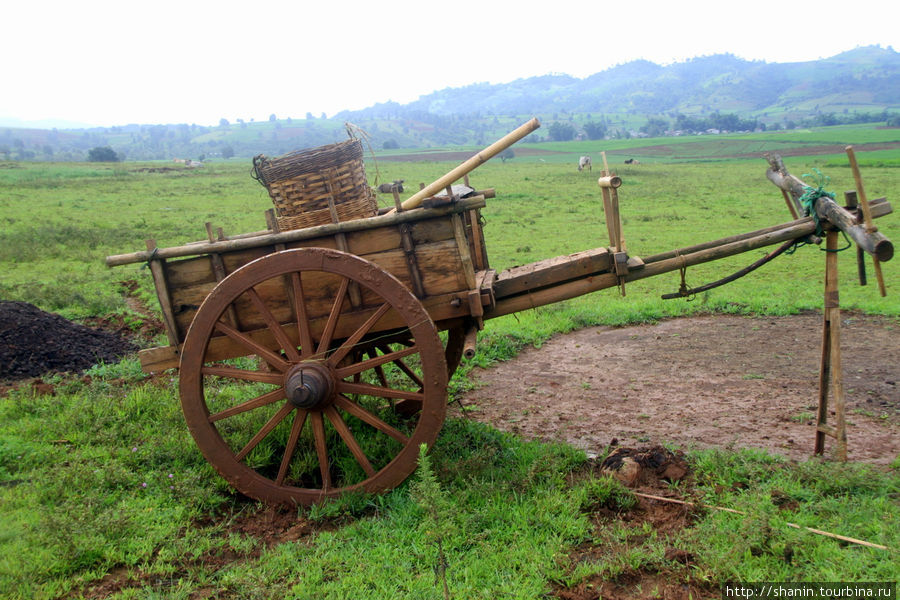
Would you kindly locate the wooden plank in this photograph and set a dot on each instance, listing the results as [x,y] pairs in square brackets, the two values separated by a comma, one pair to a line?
[552,271]
[462,245]
[320,231]
[162,294]
[441,308]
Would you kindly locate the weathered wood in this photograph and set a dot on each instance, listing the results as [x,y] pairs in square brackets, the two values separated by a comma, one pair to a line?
[463,246]
[446,307]
[409,249]
[880,208]
[469,342]
[831,373]
[471,164]
[438,262]
[319,231]
[162,293]
[867,217]
[610,181]
[872,241]
[551,271]
[477,238]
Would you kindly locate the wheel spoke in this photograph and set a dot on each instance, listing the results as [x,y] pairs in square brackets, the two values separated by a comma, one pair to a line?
[259,401]
[409,372]
[243,374]
[261,351]
[274,326]
[380,392]
[373,362]
[296,428]
[318,425]
[351,341]
[306,343]
[348,438]
[330,325]
[361,413]
[266,429]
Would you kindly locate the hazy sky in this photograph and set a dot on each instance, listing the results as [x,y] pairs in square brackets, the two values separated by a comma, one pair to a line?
[113,63]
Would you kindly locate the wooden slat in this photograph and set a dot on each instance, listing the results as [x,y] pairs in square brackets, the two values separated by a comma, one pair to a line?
[440,308]
[550,271]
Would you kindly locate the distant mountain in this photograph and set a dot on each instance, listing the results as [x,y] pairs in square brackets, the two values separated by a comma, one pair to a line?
[863,79]
[711,93]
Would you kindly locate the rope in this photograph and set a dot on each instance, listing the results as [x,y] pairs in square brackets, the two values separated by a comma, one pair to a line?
[811,195]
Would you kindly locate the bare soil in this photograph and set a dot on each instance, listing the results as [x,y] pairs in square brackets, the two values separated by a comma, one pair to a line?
[700,382]
[34,342]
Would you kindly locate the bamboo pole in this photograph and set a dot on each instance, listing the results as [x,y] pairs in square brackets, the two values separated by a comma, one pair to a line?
[471,164]
[843,538]
[867,214]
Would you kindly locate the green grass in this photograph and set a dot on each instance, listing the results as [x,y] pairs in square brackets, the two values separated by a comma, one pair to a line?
[103,479]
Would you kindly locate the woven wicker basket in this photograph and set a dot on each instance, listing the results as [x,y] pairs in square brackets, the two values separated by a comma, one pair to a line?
[301,184]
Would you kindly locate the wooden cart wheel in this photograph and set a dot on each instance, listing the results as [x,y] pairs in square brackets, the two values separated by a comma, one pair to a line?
[314,417]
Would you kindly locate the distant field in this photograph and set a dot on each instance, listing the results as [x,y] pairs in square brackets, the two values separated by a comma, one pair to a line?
[104,493]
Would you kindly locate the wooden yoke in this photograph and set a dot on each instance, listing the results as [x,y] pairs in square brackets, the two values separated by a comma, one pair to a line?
[872,242]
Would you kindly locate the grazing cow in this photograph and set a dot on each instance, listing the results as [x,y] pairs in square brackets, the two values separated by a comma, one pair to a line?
[584,161]
[632,161]
[387,188]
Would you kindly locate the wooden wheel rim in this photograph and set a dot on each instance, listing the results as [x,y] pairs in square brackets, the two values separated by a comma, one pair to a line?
[352,268]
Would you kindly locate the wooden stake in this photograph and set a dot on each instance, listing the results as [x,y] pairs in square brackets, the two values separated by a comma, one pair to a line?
[830,372]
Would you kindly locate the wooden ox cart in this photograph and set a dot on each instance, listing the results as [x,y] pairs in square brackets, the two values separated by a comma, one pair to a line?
[315,361]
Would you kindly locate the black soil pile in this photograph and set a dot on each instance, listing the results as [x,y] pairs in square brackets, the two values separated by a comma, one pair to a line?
[34,342]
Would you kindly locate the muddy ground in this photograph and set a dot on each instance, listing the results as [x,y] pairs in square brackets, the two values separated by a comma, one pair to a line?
[708,381]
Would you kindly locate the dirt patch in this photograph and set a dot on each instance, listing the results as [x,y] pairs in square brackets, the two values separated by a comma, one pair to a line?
[708,381]
[650,471]
[34,342]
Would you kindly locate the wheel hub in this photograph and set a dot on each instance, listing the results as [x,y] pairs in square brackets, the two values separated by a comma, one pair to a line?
[309,385]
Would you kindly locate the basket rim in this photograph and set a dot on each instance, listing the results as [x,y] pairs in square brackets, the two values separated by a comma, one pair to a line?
[308,160]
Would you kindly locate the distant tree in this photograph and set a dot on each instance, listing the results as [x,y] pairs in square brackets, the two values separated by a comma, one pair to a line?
[102,154]
[390,144]
[594,130]
[272,118]
[227,152]
[201,158]
[561,132]
[309,116]
[655,127]
[893,121]
[223,122]
[507,154]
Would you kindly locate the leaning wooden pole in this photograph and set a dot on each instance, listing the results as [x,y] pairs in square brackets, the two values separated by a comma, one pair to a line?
[867,214]
[470,165]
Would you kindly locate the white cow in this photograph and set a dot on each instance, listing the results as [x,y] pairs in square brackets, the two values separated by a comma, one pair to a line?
[584,161]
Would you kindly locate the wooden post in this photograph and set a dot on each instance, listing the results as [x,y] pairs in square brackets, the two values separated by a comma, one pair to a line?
[830,373]
[162,292]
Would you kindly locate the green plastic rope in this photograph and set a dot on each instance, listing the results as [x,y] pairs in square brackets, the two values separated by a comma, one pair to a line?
[808,202]
[811,194]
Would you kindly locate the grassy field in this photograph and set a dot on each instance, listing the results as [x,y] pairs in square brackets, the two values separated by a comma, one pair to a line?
[104,494]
